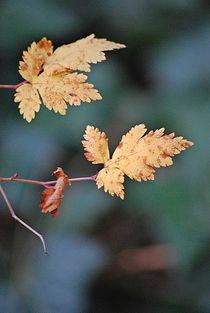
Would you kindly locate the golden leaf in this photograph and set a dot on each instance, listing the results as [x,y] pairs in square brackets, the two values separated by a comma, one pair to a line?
[34,58]
[56,90]
[136,156]
[51,75]
[29,101]
[112,179]
[96,145]
[79,55]
[51,197]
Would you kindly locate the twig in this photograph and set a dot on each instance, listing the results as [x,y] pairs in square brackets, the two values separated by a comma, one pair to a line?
[12,212]
[45,184]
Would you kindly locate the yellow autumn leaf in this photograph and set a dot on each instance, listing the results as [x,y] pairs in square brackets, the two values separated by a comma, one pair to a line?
[112,179]
[136,156]
[55,91]
[49,75]
[96,145]
[79,55]
[34,58]
[29,101]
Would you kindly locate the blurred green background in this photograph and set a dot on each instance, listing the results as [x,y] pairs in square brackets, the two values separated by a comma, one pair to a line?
[151,252]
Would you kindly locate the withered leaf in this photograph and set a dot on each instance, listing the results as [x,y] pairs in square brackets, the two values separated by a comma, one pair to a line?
[52,197]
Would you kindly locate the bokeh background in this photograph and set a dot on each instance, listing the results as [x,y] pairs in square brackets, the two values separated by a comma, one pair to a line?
[151,252]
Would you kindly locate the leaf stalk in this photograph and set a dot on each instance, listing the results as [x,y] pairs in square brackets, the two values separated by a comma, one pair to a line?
[13,86]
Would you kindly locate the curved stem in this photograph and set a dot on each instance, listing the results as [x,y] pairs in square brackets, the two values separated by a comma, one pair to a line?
[13,86]
[12,212]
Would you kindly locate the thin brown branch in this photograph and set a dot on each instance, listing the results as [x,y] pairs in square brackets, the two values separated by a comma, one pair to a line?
[12,212]
[14,178]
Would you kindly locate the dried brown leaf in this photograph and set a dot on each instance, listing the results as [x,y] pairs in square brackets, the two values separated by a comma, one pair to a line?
[52,197]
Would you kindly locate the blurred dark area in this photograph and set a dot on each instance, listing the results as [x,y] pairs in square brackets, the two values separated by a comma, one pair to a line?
[151,252]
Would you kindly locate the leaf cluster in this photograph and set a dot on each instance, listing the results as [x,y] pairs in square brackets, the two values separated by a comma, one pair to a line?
[50,76]
[136,155]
